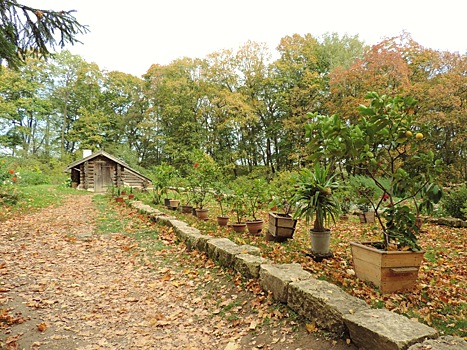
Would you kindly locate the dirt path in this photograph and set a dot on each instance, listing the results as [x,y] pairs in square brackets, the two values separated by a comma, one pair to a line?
[64,286]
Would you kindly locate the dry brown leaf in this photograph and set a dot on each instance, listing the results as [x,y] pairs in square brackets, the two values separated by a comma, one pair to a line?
[311,327]
[41,327]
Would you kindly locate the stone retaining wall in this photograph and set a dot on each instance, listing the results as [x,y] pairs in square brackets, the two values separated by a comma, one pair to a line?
[322,302]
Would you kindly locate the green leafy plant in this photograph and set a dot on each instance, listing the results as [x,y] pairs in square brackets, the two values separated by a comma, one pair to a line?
[203,174]
[281,189]
[314,196]
[9,194]
[238,200]
[454,202]
[221,195]
[364,190]
[386,143]
[161,176]
[254,193]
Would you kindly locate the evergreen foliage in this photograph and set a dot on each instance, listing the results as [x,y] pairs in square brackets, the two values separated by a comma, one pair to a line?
[26,31]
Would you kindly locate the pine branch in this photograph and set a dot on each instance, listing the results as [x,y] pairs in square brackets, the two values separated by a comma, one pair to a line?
[26,31]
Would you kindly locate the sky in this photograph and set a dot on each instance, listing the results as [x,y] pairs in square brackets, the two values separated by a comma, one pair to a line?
[130,36]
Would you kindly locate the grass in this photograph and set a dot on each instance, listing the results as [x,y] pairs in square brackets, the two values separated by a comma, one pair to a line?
[32,198]
[111,221]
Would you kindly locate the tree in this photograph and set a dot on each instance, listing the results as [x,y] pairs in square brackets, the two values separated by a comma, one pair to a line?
[75,86]
[177,105]
[27,31]
[387,145]
[299,84]
[125,106]
[24,108]
[383,69]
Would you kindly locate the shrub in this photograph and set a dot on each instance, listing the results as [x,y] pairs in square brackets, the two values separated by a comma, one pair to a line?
[34,177]
[454,202]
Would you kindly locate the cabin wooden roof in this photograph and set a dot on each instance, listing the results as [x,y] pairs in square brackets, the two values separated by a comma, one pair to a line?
[109,156]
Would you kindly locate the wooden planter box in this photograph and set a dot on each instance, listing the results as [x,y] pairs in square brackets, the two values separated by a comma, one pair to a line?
[281,225]
[367,217]
[391,271]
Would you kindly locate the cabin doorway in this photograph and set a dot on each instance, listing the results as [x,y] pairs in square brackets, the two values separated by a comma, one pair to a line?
[102,176]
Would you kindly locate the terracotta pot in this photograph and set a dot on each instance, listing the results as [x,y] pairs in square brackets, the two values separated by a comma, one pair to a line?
[186,209]
[222,220]
[202,214]
[119,199]
[239,227]
[174,203]
[255,226]
[131,196]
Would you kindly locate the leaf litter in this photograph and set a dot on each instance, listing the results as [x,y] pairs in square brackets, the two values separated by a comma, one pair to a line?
[65,286]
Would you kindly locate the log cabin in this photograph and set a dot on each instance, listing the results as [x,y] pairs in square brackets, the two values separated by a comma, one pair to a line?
[101,171]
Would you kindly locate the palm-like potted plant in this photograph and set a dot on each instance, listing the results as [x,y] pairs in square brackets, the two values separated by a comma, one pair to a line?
[386,145]
[315,201]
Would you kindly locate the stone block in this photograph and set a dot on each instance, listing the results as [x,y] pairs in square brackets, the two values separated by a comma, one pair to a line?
[196,240]
[385,330]
[442,343]
[226,255]
[182,229]
[324,303]
[162,219]
[451,222]
[202,243]
[215,245]
[248,265]
[275,278]
[135,204]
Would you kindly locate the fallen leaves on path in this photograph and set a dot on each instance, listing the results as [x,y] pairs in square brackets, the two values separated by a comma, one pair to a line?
[65,287]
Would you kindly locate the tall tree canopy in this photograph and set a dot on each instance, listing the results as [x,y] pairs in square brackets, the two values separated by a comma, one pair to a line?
[240,107]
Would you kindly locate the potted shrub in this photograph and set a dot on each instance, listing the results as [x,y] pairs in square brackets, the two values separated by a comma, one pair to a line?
[255,193]
[282,224]
[315,201]
[186,195]
[160,176]
[118,194]
[237,202]
[131,195]
[344,199]
[366,192]
[221,196]
[386,145]
[204,173]
[174,202]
